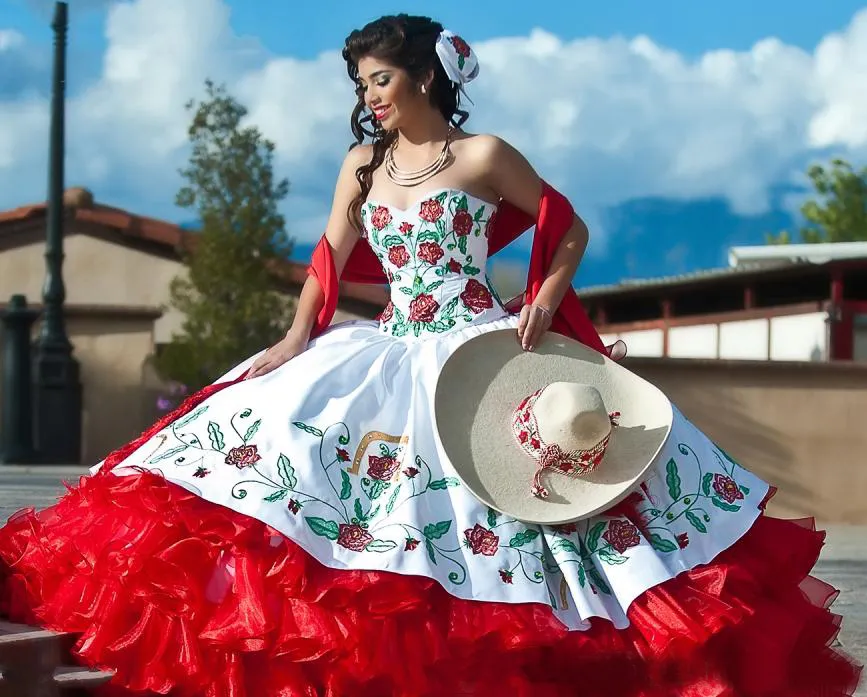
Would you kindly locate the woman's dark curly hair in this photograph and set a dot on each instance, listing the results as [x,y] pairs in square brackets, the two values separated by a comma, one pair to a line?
[407,42]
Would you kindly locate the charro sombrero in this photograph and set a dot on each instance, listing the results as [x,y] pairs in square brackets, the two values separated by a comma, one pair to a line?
[549,436]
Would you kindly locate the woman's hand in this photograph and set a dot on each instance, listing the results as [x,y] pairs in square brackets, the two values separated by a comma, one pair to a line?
[535,320]
[293,344]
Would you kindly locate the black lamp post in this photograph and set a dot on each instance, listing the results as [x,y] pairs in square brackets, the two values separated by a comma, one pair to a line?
[57,388]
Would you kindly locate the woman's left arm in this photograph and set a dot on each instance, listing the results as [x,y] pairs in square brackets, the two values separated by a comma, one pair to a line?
[513,178]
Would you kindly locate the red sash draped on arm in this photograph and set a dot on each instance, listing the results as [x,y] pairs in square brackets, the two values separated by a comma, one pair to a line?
[553,221]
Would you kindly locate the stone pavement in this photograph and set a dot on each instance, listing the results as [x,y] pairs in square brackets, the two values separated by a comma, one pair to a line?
[843,563]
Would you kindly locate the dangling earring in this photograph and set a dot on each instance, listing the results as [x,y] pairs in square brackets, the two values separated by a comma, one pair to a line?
[423,89]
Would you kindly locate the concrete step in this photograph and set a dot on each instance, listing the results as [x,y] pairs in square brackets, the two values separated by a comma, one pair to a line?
[36,662]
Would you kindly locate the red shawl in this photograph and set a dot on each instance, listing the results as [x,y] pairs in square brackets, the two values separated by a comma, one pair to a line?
[553,221]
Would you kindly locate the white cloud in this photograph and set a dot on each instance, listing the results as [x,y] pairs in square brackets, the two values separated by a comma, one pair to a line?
[607,120]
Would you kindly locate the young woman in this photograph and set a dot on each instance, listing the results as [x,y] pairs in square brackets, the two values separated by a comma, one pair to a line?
[295,529]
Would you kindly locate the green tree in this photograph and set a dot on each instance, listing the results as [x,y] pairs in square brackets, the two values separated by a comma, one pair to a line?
[227,295]
[838,213]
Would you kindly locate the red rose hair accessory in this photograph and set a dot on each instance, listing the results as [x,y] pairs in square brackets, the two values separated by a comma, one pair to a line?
[550,456]
[457,58]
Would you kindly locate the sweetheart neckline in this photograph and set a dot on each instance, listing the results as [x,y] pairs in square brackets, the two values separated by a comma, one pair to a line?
[427,196]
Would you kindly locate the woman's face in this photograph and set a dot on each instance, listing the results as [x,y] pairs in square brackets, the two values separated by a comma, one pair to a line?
[389,92]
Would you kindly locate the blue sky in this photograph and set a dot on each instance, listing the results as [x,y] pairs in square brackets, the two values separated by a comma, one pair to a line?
[674,147]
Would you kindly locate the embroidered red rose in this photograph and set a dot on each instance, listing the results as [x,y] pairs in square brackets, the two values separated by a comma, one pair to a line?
[387,313]
[683,540]
[430,252]
[381,467]
[293,506]
[342,455]
[621,535]
[431,210]
[482,541]
[405,228]
[454,266]
[506,576]
[380,217]
[726,488]
[353,537]
[411,544]
[462,223]
[398,255]
[243,456]
[423,308]
[201,472]
[476,297]
[410,472]
[461,46]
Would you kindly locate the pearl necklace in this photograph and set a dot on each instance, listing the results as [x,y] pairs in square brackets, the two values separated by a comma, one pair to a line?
[412,178]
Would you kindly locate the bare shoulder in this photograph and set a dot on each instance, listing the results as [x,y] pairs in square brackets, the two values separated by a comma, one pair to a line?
[358,156]
[503,169]
[484,150]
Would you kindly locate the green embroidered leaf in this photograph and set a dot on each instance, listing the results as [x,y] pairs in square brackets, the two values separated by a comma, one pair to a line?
[433,286]
[380,546]
[696,522]
[462,244]
[216,436]
[252,430]
[434,531]
[417,285]
[731,508]
[672,478]
[376,489]
[523,537]
[449,308]
[611,557]
[562,545]
[168,453]
[389,507]
[359,511]
[392,240]
[471,270]
[405,291]
[246,413]
[582,575]
[400,330]
[479,213]
[278,495]
[323,528]
[662,545]
[492,517]
[286,471]
[706,482]
[594,535]
[372,514]
[192,416]
[346,485]
[597,580]
[438,484]
[312,430]
[462,204]
[431,551]
[428,236]
[745,490]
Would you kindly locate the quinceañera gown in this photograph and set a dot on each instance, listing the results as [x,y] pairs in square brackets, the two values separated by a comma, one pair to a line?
[302,534]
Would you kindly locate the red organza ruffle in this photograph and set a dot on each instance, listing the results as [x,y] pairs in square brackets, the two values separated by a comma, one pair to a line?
[181,596]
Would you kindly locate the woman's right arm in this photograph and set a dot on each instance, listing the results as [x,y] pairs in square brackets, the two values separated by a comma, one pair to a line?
[341,237]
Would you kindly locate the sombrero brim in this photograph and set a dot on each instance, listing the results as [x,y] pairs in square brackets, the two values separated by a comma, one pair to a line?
[477,391]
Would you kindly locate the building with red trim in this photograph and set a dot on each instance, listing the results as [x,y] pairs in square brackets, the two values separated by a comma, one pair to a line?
[805,302]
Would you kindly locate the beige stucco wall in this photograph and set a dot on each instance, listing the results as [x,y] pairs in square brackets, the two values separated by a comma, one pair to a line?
[96,272]
[800,426]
